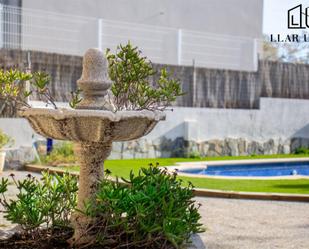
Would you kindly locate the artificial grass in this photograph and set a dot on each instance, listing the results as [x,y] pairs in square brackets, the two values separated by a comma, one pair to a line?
[123,167]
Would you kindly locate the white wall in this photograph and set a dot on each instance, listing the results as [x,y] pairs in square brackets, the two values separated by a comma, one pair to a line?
[276,118]
[19,130]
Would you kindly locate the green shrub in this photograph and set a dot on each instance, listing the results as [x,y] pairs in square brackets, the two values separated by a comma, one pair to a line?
[64,149]
[194,155]
[153,210]
[14,93]
[150,210]
[62,153]
[301,150]
[4,139]
[132,90]
[47,202]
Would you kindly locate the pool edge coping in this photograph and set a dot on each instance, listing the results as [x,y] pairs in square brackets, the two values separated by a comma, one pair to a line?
[247,161]
[203,192]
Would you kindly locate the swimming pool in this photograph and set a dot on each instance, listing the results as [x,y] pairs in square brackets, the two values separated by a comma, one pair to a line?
[300,168]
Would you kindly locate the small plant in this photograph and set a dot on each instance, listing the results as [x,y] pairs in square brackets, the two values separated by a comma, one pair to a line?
[130,73]
[4,139]
[47,202]
[62,153]
[64,149]
[194,154]
[152,211]
[14,92]
[301,150]
[75,98]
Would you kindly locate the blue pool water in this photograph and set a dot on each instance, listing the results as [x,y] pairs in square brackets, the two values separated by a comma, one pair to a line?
[256,170]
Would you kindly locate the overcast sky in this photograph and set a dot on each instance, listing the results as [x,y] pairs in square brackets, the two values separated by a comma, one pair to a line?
[275,15]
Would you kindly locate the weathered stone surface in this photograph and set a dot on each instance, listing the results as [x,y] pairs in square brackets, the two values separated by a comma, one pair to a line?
[144,148]
[91,125]
[204,148]
[286,149]
[299,142]
[228,147]
[95,81]
[269,147]
[152,153]
[242,147]
[8,233]
[90,158]
[232,146]
[216,147]
[255,148]
[15,158]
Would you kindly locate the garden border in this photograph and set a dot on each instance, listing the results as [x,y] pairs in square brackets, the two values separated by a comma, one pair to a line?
[202,192]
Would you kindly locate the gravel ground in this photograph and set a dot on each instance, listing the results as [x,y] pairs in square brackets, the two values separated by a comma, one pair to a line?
[253,224]
[238,224]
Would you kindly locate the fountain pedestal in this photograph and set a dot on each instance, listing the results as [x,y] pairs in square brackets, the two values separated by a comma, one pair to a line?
[90,157]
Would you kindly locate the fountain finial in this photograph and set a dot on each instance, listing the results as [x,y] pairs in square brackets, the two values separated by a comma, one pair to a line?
[94,81]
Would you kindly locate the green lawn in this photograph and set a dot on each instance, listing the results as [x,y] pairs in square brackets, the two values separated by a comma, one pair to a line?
[299,186]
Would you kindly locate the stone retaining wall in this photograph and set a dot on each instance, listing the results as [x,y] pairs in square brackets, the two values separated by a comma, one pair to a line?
[15,158]
[180,147]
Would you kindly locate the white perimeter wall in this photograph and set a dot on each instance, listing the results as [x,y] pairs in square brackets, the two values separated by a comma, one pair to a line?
[276,118]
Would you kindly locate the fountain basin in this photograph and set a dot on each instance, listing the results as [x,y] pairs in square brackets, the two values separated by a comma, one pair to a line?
[91,125]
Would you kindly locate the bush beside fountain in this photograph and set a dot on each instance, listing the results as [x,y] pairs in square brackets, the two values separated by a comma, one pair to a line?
[149,210]
[129,111]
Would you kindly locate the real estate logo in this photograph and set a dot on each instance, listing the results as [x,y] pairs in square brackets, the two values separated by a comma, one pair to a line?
[298,18]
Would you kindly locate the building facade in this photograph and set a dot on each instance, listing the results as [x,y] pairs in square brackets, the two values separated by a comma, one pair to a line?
[206,33]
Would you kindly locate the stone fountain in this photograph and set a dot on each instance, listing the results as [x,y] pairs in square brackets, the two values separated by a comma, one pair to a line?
[92,126]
